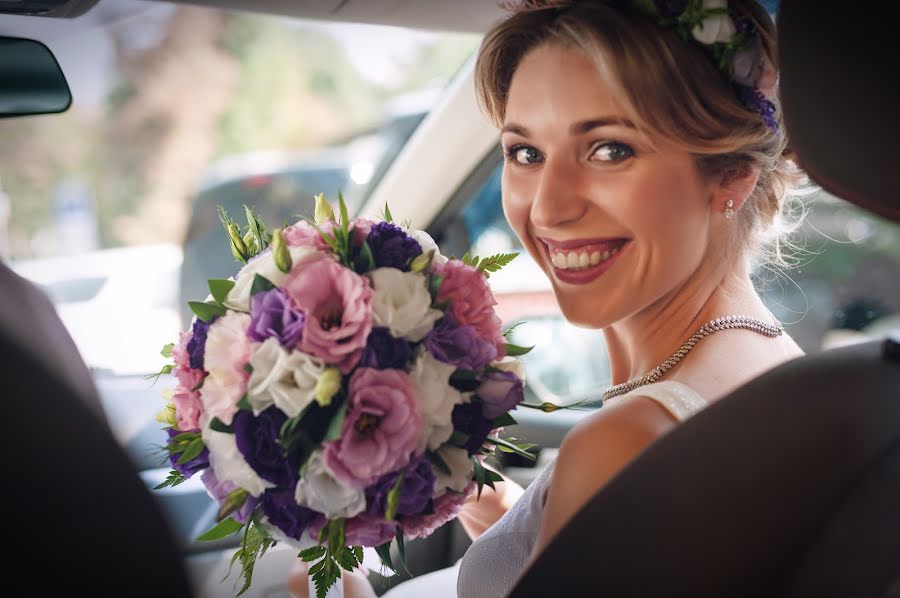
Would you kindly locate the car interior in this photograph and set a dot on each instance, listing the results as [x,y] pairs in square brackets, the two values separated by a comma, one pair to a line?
[791,515]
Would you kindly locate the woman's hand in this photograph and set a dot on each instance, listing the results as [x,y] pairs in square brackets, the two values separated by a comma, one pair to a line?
[356,584]
[479,514]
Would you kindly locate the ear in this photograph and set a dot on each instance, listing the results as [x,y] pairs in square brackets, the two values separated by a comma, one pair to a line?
[736,186]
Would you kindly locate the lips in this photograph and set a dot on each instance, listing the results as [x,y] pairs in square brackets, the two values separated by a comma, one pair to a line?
[568,262]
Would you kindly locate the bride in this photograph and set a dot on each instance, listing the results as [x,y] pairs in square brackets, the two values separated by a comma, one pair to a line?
[646,170]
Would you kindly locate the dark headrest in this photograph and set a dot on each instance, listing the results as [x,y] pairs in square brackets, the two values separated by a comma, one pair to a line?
[840,96]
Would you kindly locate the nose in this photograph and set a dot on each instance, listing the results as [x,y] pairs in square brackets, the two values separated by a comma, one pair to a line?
[559,197]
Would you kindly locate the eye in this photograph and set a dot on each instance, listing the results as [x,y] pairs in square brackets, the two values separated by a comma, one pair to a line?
[613,151]
[523,154]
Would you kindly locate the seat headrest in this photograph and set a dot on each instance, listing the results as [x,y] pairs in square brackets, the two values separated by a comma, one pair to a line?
[841,101]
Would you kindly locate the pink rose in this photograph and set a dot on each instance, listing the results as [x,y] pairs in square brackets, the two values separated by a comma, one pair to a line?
[337,303]
[305,234]
[361,229]
[471,301]
[227,352]
[446,507]
[187,400]
[381,429]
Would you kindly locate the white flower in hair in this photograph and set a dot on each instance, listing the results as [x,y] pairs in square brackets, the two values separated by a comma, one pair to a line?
[715,28]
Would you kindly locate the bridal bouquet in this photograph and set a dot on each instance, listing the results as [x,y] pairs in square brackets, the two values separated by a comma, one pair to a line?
[341,390]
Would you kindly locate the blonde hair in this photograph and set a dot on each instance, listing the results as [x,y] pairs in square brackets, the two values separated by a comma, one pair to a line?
[652,65]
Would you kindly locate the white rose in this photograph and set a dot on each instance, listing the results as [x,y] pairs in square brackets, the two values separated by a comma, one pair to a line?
[715,28]
[228,462]
[461,470]
[285,379]
[402,303]
[427,244]
[431,380]
[511,364]
[320,491]
[264,264]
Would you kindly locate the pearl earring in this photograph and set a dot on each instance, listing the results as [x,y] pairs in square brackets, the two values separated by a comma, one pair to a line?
[729,209]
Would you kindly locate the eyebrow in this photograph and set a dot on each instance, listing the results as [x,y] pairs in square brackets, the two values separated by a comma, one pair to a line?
[578,128]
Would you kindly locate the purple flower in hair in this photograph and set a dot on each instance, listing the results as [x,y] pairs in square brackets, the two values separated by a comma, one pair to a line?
[391,246]
[757,102]
[459,345]
[258,440]
[272,313]
[198,463]
[285,514]
[384,352]
[197,345]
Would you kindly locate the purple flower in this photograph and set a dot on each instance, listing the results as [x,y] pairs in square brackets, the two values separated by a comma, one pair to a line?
[272,313]
[196,464]
[363,530]
[469,418]
[459,345]
[391,246]
[285,514]
[196,346]
[415,489]
[501,392]
[220,489]
[258,441]
[384,352]
[757,102]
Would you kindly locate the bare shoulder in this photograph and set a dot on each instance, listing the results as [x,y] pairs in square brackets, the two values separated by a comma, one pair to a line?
[594,451]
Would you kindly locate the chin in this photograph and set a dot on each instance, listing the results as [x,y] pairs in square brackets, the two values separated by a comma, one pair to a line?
[583,312]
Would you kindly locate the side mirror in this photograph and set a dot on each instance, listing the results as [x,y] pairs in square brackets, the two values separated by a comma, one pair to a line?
[31,81]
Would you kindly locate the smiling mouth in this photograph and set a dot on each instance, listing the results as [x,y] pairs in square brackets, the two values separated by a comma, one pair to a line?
[574,256]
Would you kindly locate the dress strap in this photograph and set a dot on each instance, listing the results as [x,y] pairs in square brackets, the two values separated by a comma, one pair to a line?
[679,400]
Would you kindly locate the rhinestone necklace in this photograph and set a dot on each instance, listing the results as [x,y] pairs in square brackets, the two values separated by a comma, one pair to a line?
[745,322]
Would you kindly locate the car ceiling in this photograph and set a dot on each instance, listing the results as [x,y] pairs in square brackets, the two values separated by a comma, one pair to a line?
[444,15]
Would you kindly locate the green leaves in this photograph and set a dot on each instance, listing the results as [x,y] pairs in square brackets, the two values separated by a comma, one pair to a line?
[516,350]
[175,478]
[206,311]
[217,425]
[255,544]
[232,503]
[484,476]
[507,334]
[489,264]
[504,420]
[334,557]
[260,284]
[167,350]
[191,452]
[256,228]
[337,424]
[166,369]
[386,214]
[508,447]
[219,288]
[311,554]
[384,553]
[227,527]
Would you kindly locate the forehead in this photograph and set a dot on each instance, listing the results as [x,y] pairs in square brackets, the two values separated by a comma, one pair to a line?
[554,85]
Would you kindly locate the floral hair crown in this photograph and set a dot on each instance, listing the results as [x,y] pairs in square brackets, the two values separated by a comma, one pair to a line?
[734,45]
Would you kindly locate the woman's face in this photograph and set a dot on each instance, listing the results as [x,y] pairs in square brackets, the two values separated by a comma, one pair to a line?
[616,225]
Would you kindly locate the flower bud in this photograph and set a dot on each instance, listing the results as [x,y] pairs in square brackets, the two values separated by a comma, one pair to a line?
[280,251]
[324,212]
[252,243]
[167,416]
[238,248]
[231,503]
[328,385]
[422,262]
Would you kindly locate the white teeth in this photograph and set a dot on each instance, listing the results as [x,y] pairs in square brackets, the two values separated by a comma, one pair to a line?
[577,260]
[595,258]
[572,260]
[605,255]
[614,251]
[583,260]
[559,260]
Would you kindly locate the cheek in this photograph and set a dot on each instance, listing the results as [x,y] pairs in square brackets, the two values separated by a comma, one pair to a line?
[517,208]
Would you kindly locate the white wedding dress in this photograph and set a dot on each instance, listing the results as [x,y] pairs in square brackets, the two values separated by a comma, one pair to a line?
[494,561]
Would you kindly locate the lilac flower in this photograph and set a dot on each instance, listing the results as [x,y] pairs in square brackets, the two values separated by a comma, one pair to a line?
[391,246]
[384,352]
[469,418]
[459,345]
[219,489]
[285,514]
[198,463]
[500,391]
[272,313]
[363,530]
[258,441]
[415,489]
[196,346]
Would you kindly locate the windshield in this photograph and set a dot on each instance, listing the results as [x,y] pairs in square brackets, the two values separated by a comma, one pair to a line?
[111,208]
